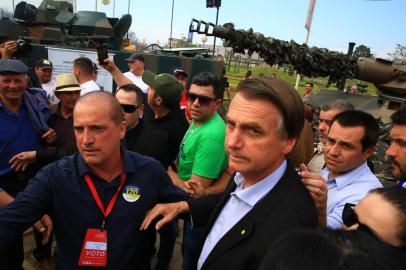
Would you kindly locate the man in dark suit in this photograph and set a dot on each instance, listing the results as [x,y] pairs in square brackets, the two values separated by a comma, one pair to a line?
[266,197]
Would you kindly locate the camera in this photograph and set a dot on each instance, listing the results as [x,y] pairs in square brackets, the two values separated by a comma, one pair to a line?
[23,46]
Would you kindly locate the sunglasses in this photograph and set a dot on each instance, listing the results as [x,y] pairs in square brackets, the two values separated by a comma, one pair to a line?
[203,100]
[128,108]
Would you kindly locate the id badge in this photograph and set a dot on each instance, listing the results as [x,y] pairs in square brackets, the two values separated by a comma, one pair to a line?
[94,250]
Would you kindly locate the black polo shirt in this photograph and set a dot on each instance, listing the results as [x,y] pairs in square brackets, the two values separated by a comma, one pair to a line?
[176,125]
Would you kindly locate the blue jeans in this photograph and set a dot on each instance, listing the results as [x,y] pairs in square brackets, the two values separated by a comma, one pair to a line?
[191,240]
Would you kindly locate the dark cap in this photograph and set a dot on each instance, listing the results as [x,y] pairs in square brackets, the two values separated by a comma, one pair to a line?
[12,66]
[177,71]
[165,85]
[135,56]
[44,63]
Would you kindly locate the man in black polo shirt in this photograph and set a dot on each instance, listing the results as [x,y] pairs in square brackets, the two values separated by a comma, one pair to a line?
[163,97]
[97,198]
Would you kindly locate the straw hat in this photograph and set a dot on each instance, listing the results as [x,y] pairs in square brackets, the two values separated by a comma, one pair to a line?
[66,82]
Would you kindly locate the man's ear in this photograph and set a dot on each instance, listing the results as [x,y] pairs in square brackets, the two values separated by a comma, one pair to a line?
[158,100]
[369,152]
[289,145]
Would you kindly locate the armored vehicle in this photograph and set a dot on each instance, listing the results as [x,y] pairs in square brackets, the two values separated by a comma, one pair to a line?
[388,78]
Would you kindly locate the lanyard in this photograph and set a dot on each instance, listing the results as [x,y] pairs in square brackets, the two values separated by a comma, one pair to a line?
[96,197]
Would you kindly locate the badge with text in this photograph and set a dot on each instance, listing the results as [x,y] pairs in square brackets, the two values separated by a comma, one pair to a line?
[94,250]
[131,193]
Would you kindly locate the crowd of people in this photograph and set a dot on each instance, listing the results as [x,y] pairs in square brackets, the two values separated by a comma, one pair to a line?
[100,174]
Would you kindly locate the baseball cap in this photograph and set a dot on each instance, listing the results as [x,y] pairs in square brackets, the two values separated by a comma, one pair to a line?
[135,56]
[177,71]
[165,85]
[44,63]
[66,82]
[12,66]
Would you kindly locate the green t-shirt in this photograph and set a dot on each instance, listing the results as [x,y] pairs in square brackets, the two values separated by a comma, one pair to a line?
[202,150]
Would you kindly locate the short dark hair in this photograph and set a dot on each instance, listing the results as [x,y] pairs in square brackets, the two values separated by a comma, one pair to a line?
[209,79]
[116,112]
[134,89]
[310,83]
[397,198]
[399,117]
[283,96]
[337,104]
[84,64]
[356,118]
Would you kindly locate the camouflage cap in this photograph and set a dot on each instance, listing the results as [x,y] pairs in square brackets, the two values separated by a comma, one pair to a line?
[12,66]
[165,85]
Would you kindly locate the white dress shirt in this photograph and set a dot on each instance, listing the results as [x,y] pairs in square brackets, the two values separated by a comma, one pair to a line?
[89,86]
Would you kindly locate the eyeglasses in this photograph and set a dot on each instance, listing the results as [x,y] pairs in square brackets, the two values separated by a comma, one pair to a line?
[129,108]
[203,100]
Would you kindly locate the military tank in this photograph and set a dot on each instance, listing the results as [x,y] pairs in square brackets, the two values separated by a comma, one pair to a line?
[53,26]
[55,23]
[388,78]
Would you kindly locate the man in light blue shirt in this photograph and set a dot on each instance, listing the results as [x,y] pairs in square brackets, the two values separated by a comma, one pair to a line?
[347,178]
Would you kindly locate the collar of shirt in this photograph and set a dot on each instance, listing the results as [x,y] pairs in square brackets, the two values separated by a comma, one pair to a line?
[89,85]
[256,192]
[129,165]
[347,178]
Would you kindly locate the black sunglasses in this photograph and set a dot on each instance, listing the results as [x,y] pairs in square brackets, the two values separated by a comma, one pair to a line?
[129,108]
[203,100]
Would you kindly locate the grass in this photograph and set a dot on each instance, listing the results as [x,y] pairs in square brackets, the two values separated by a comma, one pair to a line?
[234,76]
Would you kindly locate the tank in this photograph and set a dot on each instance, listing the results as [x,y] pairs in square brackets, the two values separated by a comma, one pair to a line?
[54,23]
[388,78]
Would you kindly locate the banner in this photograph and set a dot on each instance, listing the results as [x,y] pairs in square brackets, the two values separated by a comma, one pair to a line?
[308,24]
[62,60]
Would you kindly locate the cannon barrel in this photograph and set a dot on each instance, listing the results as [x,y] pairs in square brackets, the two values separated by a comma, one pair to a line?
[389,78]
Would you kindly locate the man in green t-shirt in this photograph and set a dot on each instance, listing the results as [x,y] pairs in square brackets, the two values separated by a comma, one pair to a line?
[202,156]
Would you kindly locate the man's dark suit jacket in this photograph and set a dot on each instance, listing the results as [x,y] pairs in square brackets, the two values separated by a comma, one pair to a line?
[286,207]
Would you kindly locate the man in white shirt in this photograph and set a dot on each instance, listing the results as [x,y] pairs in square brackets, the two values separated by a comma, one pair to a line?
[83,70]
[136,65]
[43,70]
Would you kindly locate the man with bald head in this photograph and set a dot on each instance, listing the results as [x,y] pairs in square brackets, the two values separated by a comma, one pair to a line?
[97,198]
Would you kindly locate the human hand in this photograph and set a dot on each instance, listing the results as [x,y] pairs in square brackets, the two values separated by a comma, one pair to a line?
[7,49]
[108,64]
[44,226]
[317,187]
[49,136]
[195,188]
[20,161]
[169,211]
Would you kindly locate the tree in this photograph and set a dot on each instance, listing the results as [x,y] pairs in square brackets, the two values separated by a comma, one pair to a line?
[362,51]
[399,55]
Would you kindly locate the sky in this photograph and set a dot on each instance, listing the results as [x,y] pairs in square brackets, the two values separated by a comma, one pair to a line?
[379,25]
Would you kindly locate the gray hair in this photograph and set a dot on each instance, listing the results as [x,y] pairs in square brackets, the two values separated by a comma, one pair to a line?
[337,104]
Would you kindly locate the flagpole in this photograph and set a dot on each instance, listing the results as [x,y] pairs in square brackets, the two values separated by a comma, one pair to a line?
[308,26]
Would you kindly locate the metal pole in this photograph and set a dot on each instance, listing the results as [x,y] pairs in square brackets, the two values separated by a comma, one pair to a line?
[128,11]
[217,19]
[170,38]
[13,6]
[298,75]
[96,5]
[114,8]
